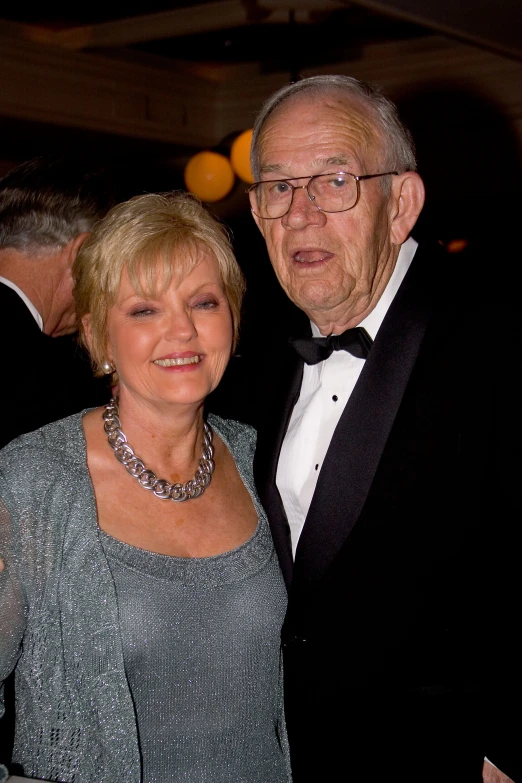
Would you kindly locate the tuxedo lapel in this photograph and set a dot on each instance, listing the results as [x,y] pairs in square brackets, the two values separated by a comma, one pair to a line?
[278,411]
[359,439]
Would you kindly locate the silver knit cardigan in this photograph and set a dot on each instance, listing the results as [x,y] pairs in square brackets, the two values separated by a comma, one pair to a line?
[58,612]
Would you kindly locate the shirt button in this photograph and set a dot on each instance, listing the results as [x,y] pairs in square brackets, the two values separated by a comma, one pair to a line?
[335,398]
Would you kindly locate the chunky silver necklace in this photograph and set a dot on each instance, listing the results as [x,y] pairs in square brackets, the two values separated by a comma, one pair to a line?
[146,478]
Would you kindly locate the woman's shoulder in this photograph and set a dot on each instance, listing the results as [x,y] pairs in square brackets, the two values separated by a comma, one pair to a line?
[51,446]
[41,470]
[231,428]
[239,437]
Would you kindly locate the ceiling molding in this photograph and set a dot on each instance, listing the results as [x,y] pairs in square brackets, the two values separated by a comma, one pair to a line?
[192,20]
[73,89]
[189,109]
[491,25]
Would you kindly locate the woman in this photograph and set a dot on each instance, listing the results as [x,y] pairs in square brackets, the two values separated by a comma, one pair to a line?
[144,625]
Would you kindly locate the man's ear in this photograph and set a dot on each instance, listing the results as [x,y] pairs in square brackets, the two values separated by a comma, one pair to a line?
[71,248]
[407,200]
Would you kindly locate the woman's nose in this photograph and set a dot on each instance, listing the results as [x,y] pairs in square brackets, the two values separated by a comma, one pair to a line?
[180,327]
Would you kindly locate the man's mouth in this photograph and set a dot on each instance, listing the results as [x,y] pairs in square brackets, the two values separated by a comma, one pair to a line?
[179,361]
[311,256]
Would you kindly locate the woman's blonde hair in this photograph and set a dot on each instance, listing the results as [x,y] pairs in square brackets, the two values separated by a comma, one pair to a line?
[154,237]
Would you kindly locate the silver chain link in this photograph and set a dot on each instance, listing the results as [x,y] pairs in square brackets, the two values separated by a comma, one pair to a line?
[146,478]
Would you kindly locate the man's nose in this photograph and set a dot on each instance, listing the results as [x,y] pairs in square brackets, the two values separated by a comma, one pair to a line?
[303,211]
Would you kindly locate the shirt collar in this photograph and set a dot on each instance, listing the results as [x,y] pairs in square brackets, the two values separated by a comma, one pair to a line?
[373,320]
[30,306]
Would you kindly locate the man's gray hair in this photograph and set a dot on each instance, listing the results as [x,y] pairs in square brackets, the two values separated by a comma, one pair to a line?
[398,151]
[48,201]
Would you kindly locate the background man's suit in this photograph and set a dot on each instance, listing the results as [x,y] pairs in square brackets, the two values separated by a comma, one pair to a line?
[43,378]
[400,640]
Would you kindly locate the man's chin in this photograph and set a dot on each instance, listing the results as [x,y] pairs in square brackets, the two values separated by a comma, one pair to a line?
[316,298]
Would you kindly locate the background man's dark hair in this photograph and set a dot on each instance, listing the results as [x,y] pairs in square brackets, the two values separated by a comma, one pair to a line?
[48,201]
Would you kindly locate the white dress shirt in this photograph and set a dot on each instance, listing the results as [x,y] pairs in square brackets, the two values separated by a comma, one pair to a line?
[325,390]
[30,306]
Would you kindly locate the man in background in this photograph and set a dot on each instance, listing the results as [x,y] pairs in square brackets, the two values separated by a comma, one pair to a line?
[47,208]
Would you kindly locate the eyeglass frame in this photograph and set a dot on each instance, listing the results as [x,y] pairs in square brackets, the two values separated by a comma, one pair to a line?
[356,177]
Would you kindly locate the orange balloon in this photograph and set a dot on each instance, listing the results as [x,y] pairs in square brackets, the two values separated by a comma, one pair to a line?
[240,156]
[209,176]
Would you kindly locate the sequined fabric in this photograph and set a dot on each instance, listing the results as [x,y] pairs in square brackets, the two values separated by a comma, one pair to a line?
[59,622]
[200,643]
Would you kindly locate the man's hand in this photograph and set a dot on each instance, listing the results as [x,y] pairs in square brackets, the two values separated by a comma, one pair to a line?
[490,774]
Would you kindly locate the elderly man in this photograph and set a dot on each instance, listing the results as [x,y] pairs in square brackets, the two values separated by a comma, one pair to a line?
[387,458]
[47,208]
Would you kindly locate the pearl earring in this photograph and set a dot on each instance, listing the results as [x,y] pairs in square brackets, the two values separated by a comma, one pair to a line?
[107,367]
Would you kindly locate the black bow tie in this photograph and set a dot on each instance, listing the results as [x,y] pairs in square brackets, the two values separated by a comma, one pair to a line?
[316,349]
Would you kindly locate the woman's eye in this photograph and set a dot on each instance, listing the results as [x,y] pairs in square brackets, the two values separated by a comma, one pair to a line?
[206,304]
[140,312]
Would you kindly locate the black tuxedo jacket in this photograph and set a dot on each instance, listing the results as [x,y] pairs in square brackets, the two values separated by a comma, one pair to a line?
[401,651]
[43,378]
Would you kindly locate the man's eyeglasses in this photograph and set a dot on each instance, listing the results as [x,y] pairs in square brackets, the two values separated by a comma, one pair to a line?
[337,192]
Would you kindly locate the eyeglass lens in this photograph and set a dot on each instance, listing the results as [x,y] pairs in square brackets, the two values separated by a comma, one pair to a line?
[329,192]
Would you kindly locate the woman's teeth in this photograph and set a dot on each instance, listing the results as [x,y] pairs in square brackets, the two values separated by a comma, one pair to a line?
[178,362]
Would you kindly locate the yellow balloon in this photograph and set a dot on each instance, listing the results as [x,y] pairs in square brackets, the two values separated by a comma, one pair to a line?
[209,176]
[240,156]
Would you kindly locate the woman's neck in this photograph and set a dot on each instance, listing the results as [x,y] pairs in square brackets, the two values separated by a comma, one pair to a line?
[167,437]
